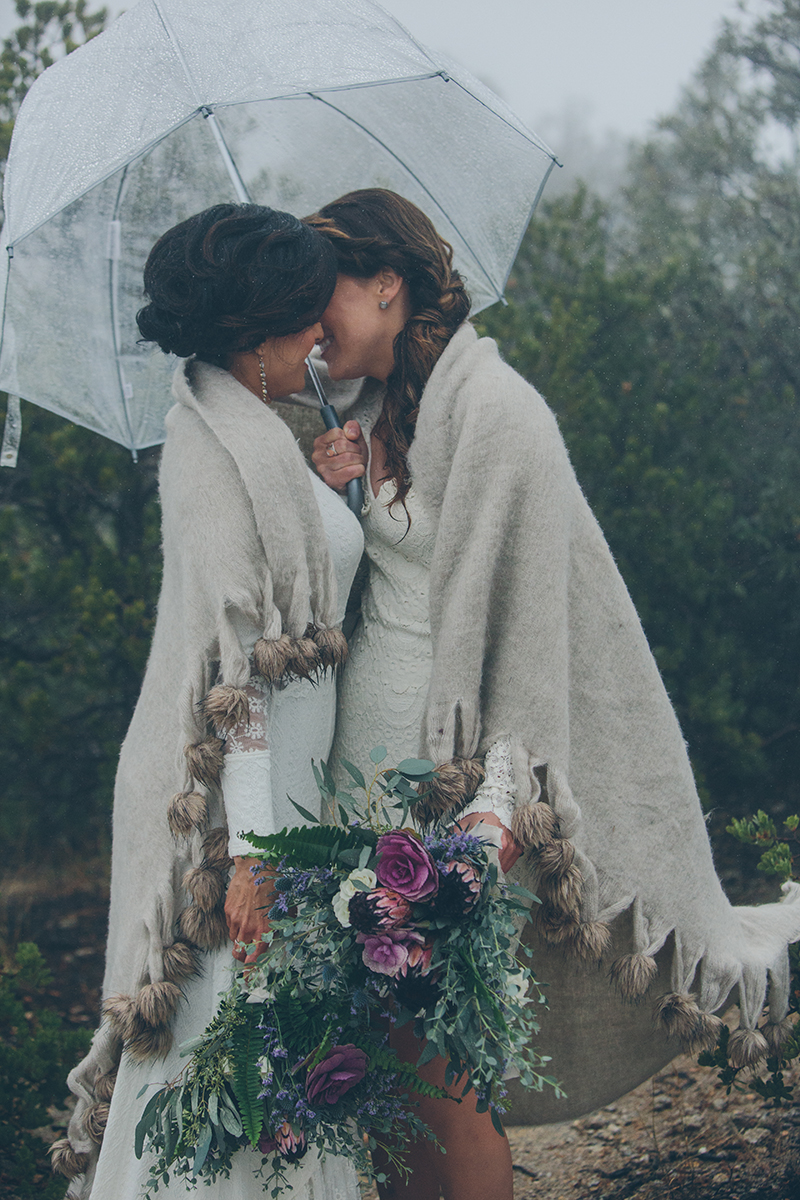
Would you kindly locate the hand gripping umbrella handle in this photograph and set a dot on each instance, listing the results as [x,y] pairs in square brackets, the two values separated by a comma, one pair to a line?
[355,492]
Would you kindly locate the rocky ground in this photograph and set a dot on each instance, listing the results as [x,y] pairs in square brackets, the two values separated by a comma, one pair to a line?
[678,1137]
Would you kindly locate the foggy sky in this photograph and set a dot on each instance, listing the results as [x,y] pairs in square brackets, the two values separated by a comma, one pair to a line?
[617,63]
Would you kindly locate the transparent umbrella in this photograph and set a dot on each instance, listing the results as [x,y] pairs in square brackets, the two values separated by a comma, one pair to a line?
[181,104]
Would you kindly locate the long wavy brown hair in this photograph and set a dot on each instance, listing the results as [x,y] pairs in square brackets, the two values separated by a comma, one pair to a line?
[373,229]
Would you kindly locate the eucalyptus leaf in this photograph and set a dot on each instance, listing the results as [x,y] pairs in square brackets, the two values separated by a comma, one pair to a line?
[146,1120]
[330,782]
[498,1124]
[309,816]
[415,768]
[203,1147]
[354,772]
[428,1054]
[378,754]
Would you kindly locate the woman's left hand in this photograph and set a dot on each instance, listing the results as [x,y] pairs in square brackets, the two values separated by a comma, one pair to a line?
[246,906]
[510,850]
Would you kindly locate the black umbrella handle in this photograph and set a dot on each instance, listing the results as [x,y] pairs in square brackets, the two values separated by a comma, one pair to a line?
[355,492]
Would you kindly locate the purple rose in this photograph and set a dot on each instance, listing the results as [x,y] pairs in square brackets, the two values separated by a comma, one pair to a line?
[341,1069]
[383,953]
[405,866]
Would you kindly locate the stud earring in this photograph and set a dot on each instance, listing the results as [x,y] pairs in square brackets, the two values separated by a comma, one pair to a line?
[264,392]
[383,304]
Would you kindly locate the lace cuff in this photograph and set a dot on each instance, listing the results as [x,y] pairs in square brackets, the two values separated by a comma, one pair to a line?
[247,792]
[246,771]
[497,794]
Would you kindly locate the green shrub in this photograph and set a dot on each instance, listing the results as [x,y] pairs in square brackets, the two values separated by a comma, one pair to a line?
[36,1052]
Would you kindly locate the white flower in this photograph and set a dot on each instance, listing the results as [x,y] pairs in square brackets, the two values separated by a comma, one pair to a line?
[517,987]
[341,901]
[260,995]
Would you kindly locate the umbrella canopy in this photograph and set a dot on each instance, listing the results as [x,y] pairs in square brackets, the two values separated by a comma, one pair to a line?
[181,104]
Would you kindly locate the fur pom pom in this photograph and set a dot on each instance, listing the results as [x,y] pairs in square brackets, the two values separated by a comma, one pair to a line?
[121,1014]
[633,974]
[777,1034]
[207,886]
[747,1047]
[305,659]
[555,859]
[456,783]
[104,1085]
[589,940]
[215,849]
[207,930]
[64,1159]
[226,707]
[678,1015]
[562,891]
[157,1003]
[205,759]
[272,656]
[95,1120]
[706,1035]
[552,923]
[151,1042]
[331,646]
[181,962]
[559,881]
[187,811]
[534,825]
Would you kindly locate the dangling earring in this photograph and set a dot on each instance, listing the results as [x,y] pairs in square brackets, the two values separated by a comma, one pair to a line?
[383,304]
[264,392]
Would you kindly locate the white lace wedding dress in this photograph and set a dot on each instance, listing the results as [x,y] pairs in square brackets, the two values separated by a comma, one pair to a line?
[288,728]
[385,683]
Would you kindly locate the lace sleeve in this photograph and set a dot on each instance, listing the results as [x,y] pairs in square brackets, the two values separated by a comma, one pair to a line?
[246,771]
[497,794]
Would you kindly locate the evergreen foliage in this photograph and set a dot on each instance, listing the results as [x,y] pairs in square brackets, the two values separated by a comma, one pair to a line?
[667,341]
[36,1052]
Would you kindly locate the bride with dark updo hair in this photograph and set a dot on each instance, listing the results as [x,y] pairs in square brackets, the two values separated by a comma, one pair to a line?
[239,693]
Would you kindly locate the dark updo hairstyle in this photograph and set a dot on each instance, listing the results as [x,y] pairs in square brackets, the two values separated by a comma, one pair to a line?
[227,279]
[373,229]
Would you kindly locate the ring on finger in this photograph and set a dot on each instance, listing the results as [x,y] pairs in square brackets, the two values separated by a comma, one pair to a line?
[331,451]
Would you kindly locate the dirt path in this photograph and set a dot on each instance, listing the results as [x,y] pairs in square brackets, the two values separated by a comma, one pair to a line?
[678,1136]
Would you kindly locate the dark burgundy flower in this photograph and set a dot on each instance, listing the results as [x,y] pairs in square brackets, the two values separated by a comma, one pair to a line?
[291,1145]
[459,888]
[267,1144]
[341,1069]
[414,986]
[405,866]
[379,909]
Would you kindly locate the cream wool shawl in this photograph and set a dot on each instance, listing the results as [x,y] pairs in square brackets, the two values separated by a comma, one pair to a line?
[242,538]
[535,638]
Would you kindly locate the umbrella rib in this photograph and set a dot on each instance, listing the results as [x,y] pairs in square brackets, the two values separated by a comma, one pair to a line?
[417,179]
[554,162]
[177,48]
[113,288]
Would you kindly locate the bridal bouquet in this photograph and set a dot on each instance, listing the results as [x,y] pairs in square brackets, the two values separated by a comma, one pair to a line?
[372,926]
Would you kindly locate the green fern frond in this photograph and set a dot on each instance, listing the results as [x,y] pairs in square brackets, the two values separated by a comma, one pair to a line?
[312,846]
[300,1022]
[247,1044]
[407,1072]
